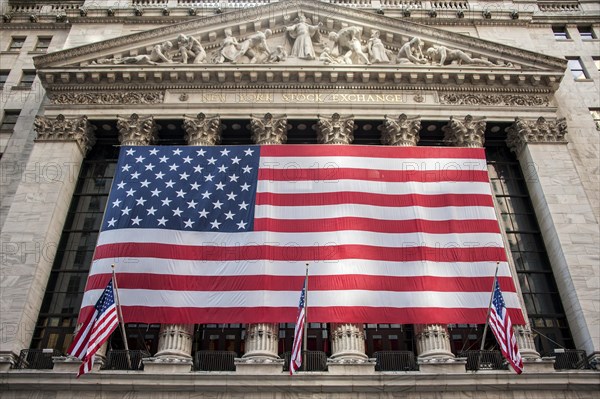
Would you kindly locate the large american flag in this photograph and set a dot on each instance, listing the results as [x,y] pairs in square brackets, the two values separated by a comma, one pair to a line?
[222,235]
[296,356]
[502,327]
[95,330]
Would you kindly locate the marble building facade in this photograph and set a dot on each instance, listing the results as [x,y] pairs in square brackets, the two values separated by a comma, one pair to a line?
[520,79]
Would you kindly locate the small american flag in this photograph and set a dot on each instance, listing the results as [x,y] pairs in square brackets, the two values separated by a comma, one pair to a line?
[96,329]
[501,325]
[296,358]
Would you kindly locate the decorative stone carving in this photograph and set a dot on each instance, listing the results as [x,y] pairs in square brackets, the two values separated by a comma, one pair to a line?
[522,132]
[433,341]
[494,99]
[229,49]
[269,130]
[525,342]
[348,343]
[465,133]
[160,53]
[255,48]
[302,34]
[347,44]
[189,50]
[136,130]
[441,55]
[335,130]
[262,341]
[202,130]
[138,97]
[412,52]
[61,128]
[403,131]
[175,341]
[278,55]
[377,50]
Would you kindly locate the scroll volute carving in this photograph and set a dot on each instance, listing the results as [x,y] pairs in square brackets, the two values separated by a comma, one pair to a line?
[137,130]
[468,132]
[66,129]
[202,130]
[268,129]
[523,131]
[335,130]
[402,131]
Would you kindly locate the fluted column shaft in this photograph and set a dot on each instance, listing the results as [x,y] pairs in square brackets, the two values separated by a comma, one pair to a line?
[433,341]
[175,341]
[347,341]
[262,340]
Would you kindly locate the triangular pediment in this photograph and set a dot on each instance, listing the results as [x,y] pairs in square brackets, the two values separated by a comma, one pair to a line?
[335,44]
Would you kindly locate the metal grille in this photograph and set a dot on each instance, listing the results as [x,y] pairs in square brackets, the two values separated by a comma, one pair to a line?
[215,360]
[125,360]
[395,361]
[570,359]
[485,360]
[37,359]
[315,361]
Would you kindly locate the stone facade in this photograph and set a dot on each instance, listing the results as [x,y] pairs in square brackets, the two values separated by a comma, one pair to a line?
[143,66]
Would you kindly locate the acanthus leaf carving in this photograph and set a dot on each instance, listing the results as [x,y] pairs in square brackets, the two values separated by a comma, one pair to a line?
[202,130]
[335,130]
[466,133]
[403,131]
[138,97]
[494,99]
[66,129]
[136,130]
[268,129]
[523,132]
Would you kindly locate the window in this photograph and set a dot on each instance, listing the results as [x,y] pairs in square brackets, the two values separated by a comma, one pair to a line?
[560,32]
[27,79]
[586,32]
[576,68]
[3,77]
[597,63]
[16,43]
[9,120]
[43,43]
[596,116]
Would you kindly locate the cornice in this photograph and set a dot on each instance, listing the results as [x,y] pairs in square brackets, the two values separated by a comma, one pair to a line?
[267,15]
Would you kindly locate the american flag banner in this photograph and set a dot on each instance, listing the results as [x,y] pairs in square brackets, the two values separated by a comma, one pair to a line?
[222,235]
[296,357]
[502,328]
[95,330]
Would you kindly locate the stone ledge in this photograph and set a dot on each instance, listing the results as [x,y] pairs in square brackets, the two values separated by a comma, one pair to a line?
[259,366]
[155,365]
[443,366]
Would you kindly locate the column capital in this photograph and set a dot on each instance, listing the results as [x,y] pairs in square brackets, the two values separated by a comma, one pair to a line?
[202,130]
[527,131]
[402,131]
[268,129]
[66,129]
[335,130]
[468,132]
[137,130]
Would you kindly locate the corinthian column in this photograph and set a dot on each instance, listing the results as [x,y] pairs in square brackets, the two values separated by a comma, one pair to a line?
[433,342]
[401,132]
[202,130]
[268,129]
[36,221]
[465,133]
[335,130]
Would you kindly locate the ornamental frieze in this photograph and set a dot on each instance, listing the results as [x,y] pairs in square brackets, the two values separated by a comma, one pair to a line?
[495,99]
[132,98]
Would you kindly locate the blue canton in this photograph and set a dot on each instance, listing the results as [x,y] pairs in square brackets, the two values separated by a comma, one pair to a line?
[498,300]
[107,299]
[184,188]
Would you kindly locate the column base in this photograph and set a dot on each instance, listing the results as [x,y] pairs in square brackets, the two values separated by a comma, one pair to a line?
[167,365]
[66,364]
[7,361]
[540,365]
[349,356]
[258,366]
[442,366]
[260,355]
[351,366]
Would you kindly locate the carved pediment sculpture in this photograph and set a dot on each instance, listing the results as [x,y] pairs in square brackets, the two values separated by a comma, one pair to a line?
[268,129]
[335,130]
[202,130]
[302,34]
[347,44]
[403,131]
[466,133]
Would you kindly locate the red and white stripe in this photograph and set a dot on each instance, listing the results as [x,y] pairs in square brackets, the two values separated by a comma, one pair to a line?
[502,328]
[393,235]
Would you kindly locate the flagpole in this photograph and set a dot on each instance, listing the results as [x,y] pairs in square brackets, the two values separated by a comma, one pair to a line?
[120,315]
[305,337]
[487,318]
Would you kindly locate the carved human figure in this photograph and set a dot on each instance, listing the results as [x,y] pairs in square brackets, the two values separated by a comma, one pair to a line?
[412,52]
[376,49]
[229,48]
[327,58]
[336,130]
[255,47]
[269,130]
[442,55]
[348,44]
[190,48]
[278,55]
[159,53]
[302,33]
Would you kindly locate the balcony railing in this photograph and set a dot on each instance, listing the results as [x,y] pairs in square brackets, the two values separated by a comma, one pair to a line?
[125,360]
[395,361]
[570,359]
[484,360]
[315,361]
[37,359]
[215,361]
